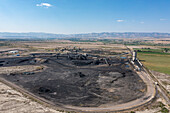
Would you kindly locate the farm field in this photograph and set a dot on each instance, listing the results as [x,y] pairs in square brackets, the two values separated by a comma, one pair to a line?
[156,61]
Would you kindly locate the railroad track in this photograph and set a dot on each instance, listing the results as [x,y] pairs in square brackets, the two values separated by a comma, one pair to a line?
[161,89]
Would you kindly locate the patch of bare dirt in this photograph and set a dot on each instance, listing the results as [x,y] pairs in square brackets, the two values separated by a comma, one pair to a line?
[12,101]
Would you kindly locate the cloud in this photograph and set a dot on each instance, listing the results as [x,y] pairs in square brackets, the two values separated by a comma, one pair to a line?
[120,20]
[162,19]
[142,22]
[46,5]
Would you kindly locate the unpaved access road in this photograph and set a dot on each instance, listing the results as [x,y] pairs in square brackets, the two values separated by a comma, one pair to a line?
[149,96]
[23,104]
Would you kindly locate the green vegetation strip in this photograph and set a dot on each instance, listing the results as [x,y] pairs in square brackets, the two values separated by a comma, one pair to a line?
[156,61]
[163,108]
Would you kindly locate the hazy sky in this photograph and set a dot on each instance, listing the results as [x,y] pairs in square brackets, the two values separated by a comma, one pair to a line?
[82,16]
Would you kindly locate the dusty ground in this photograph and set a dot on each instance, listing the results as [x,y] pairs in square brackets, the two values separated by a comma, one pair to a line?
[164,79]
[12,101]
[19,69]
[158,106]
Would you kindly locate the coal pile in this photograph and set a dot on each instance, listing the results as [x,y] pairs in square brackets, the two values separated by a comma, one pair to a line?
[44,90]
[79,80]
[80,74]
[81,63]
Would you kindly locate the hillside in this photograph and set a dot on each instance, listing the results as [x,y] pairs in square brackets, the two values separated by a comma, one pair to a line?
[36,35]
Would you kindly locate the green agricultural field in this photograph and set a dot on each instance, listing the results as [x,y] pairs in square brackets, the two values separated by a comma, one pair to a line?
[159,62]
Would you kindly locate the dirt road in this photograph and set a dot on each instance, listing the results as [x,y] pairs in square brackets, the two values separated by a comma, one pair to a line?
[150,94]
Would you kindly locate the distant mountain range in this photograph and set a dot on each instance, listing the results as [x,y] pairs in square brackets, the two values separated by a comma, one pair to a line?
[34,35]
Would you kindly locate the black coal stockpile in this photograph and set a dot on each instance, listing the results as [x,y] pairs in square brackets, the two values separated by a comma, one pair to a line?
[81,63]
[77,80]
